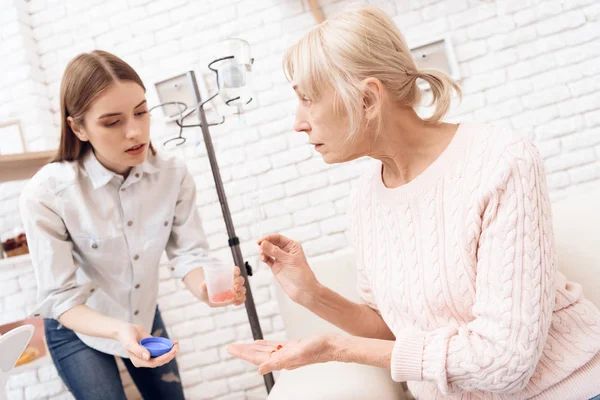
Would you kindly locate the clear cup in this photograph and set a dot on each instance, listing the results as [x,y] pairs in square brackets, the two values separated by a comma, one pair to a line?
[219,282]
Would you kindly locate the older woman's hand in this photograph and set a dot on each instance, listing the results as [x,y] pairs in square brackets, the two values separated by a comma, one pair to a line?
[288,263]
[271,356]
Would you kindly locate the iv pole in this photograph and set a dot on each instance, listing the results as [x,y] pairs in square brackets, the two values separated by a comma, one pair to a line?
[234,241]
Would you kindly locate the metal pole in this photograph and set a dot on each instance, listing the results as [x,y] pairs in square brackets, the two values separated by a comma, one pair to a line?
[234,242]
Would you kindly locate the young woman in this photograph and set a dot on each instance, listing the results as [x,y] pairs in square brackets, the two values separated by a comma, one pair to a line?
[98,219]
[452,229]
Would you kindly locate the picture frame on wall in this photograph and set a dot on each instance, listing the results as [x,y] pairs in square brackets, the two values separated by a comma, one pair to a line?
[12,140]
[173,85]
[435,53]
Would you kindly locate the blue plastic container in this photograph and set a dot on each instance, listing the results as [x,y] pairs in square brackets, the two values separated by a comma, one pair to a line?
[157,346]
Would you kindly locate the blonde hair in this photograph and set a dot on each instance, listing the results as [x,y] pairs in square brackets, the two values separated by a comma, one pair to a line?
[354,45]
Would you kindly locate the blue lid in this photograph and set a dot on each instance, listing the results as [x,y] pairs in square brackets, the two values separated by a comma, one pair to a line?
[157,346]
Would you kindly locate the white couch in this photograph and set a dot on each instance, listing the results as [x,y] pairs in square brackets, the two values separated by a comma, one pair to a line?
[576,219]
[577,231]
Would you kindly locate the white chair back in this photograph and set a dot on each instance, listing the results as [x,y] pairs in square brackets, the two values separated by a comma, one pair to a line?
[340,381]
[337,272]
[12,345]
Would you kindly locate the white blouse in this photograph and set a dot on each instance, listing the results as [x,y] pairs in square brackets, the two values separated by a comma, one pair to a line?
[96,238]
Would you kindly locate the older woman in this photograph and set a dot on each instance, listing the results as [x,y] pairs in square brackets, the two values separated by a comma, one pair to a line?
[452,230]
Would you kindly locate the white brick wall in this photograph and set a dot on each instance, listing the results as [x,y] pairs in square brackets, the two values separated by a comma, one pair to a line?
[530,65]
[23,93]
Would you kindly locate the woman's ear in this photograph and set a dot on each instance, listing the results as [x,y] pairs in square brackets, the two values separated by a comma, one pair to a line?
[372,97]
[77,129]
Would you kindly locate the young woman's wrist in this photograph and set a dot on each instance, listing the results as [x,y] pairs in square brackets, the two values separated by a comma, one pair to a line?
[117,328]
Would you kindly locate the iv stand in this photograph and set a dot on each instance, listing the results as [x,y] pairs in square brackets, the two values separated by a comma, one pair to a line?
[234,242]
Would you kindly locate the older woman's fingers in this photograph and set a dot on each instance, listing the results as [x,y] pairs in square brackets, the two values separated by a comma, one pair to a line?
[267,260]
[275,363]
[272,344]
[267,367]
[249,353]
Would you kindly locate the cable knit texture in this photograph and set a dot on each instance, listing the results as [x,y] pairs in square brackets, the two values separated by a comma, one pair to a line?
[460,264]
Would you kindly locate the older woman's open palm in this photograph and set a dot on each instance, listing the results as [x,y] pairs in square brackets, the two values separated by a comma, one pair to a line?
[273,356]
[288,263]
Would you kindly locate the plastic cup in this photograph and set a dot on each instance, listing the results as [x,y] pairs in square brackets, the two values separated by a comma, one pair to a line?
[219,282]
[157,346]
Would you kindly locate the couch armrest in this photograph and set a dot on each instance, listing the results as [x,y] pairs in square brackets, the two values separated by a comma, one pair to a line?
[339,381]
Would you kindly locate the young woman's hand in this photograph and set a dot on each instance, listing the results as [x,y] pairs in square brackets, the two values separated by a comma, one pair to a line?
[288,263]
[238,289]
[129,335]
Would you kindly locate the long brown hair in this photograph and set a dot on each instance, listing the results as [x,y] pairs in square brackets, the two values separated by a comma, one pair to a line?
[85,77]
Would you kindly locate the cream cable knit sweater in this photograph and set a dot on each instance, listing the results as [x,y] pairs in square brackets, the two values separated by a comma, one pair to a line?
[460,264]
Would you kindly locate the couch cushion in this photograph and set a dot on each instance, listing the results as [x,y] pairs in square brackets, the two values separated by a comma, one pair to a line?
[339,381]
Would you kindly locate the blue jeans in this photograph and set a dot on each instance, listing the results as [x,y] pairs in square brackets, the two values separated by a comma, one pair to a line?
[90,374]
[596,397]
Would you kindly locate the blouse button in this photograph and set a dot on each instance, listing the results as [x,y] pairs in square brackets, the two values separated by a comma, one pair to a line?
[94,245]
[137,175]
[129,223]
[136,257]
[166,223]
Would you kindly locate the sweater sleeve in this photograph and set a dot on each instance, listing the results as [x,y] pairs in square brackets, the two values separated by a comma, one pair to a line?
[499,350]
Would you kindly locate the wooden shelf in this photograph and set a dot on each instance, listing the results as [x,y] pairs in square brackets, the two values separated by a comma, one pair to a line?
[16,167]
